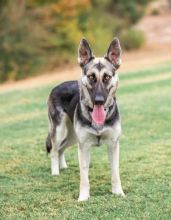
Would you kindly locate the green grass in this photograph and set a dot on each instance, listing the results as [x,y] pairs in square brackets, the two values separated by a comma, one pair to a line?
[27,189]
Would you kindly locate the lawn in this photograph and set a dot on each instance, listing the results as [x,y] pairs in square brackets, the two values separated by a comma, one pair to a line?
[27,189]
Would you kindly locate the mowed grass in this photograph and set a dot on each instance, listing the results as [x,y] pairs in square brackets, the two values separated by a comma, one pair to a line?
[27,189]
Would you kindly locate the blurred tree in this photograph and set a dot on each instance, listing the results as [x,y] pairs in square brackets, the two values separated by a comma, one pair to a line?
[131,10]
[3,3]
[37,34]
[22,40]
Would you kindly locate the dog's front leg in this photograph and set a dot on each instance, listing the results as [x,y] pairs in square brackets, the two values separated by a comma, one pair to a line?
[113,151]
[84,160]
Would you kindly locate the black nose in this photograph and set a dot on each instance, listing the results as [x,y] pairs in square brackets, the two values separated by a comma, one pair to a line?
[99,99]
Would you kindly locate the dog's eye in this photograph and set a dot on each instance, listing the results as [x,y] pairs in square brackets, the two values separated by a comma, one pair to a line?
[106,78]
[92,77]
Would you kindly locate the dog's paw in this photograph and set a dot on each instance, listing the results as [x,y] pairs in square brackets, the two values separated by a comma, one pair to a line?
[63,166]
[55,173]
[83,197]
[118,191]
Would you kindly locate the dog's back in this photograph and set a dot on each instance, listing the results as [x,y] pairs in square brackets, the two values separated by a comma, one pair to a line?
[62,99]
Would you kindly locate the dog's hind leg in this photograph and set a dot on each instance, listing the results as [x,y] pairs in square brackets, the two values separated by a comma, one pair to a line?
[51,148]
[62,162]
[68,139]
[58,140]
[54,157]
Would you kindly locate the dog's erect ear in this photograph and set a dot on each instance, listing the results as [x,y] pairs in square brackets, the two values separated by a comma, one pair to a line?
[114,53]
[84,53]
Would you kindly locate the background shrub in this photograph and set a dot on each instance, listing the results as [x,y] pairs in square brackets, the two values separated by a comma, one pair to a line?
[132,39]
[37,35]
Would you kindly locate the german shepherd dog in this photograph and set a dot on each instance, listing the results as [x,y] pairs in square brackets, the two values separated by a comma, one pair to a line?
[86,112]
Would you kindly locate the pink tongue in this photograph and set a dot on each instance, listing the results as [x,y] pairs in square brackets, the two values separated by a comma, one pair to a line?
[98,114]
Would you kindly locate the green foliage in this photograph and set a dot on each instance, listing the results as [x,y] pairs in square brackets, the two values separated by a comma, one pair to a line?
[131,10]
[3,3]
[27,189]
[155,11]
[132,39]
[23,44]
[36,35]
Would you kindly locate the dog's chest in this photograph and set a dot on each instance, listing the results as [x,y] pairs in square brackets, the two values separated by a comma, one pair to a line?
[97,141]
[89,136]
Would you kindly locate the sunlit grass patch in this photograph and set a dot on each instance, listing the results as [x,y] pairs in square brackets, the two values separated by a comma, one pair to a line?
[27,189]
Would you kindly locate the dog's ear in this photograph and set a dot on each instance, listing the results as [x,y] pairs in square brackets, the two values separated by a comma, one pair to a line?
[84,53]
[114,53]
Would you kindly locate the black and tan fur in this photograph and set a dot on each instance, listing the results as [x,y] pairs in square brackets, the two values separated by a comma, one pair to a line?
[70,107]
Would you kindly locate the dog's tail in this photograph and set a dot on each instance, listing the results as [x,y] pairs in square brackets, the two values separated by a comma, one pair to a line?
[48,144]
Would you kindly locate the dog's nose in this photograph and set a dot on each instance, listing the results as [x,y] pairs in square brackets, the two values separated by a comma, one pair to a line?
[99,100]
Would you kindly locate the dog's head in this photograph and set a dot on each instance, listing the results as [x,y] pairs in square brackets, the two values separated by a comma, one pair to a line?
[99,79]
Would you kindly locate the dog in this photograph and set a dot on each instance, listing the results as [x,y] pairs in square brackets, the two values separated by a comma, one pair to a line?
[86,112]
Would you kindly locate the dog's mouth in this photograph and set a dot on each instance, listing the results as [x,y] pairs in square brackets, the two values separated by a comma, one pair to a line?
[98,114]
